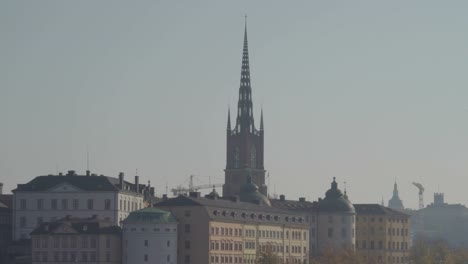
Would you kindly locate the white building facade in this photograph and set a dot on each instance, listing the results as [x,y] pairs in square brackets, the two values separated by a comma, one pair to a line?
[149,236]
[52,197]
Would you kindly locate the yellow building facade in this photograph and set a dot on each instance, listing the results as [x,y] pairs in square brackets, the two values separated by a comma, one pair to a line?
[216,230]
[382,234]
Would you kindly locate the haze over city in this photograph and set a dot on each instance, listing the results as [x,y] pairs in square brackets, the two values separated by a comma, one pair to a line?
[364,91]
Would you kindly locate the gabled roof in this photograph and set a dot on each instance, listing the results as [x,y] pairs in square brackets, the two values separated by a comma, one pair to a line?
[221,202]
[82,182]
[377,209]
[230,209]
[293,205]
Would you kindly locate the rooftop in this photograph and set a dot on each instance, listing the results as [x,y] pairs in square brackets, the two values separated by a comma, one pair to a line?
[377,209]
[89,182]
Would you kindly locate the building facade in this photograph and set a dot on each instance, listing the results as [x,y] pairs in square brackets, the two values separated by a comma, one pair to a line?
[221,230]
[331,220]
[244,148]
[72,240]
[52,197]
[6,214]
[149,236]
[441,221]
[335,221]
[382,234]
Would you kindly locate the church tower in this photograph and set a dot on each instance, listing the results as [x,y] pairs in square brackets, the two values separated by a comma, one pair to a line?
[244,150]
[395,202]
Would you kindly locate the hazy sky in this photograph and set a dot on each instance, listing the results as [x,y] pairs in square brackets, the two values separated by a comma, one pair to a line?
[367,91]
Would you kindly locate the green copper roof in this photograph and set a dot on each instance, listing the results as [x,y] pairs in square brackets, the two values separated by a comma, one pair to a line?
[335,201]
[249,193]
[150,215]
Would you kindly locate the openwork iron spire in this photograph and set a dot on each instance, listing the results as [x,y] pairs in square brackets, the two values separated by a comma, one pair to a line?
[245,121]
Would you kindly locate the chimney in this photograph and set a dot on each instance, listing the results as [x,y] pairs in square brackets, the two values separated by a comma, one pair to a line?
[60,174]
[71,173]
[121,180]
[152,191]
[195,194]
[137,184]
[282,197]
[164,197]
[1,188]
[302,199]
[88,173]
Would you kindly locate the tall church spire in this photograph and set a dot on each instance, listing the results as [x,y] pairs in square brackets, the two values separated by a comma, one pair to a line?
[245,121]
[244,143]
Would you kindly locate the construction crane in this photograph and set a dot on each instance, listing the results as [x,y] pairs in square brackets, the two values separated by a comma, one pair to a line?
[421,192]
[193,188]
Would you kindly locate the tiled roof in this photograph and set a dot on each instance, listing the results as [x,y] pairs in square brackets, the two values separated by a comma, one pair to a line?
[376,209]
[293,205]
[229,210]
[83,182]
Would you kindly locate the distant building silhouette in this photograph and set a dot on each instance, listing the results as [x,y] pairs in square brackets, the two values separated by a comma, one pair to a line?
[395,202]
[442,221]
[244,150]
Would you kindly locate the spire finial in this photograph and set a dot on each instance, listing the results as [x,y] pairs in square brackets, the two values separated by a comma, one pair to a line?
[345,192]
[261,119]
[245,120]
[229,119]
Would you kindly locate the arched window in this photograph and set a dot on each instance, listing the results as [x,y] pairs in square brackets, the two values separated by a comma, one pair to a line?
[253,157]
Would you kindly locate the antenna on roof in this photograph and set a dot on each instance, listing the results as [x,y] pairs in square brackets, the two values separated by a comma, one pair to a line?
[166,188]
[87,157]
[88,172]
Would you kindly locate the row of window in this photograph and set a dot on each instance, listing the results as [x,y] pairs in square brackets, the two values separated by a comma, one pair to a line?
[147,259]
[331,234]
[233,214]
[134,229]
[5,220]
[295,235]
[380,219]
[391,231]
[146,243]
[343,218]
[39,220]
[233,246]
[237,246]
[215,259]
[65,204]
[66,242]
[392,245]
[68,256]
[129,206]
